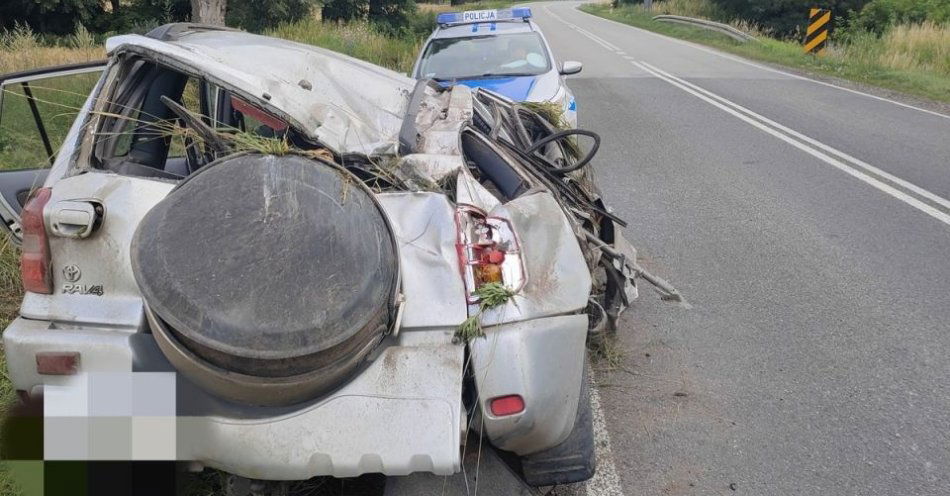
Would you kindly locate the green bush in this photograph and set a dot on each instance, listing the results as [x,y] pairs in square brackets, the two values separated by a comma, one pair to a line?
[60,17]
[392,17]
[343,10]
[57,17]
[786,18]
[257,16]
[878,15]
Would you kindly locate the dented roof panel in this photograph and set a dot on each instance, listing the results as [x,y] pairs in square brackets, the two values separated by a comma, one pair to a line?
[310,86]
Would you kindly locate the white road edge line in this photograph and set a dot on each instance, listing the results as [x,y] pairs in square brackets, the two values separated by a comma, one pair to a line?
[605,482]
[834,151]
[760,66]
[882,186]
[600,41]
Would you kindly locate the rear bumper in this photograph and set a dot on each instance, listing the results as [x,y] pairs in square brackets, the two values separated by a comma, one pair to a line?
[542,361]
[399,415]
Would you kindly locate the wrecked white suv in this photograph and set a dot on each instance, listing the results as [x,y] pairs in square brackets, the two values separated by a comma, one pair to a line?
[313,265]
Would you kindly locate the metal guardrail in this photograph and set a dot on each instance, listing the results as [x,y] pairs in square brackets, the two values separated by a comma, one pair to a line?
[703,23]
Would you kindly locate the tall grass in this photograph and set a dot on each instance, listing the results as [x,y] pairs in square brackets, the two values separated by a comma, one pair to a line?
[21,49]
[356,39]
[394,48]
[923,47]
[690,8]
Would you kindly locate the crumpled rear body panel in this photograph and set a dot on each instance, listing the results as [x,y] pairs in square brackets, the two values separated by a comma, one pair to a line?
[424,226]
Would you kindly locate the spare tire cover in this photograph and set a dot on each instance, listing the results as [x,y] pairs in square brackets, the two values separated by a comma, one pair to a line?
[269,266]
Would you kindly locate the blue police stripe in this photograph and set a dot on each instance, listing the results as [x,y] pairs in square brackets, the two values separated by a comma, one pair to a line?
[516,88]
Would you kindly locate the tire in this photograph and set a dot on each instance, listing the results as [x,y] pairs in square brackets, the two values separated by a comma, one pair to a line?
[572,460]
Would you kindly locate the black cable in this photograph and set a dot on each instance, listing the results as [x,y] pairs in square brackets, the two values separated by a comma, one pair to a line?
[561,135]
[557,183]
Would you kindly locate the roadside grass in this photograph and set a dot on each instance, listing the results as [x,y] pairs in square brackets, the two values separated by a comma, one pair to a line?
[10,294]
[395,49]
[910,58]
[357,39]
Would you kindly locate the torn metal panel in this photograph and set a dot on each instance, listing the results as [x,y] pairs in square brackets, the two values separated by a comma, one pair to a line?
[440,116]
[468,191]
[430,168]
[424,226]
[269,71]
[630,253]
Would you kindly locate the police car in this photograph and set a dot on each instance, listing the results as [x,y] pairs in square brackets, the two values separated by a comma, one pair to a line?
[499,50]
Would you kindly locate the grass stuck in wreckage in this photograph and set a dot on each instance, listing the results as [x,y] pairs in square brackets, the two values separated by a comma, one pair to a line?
[490,295]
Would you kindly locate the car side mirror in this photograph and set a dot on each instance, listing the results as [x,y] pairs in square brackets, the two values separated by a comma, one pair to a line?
[571,67]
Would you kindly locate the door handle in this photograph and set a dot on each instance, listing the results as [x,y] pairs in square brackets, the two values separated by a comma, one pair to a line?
[74,218]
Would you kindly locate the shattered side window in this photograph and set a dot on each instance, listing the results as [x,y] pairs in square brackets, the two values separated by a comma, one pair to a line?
[154,122]
[191,100]
[123,135]
[163,123]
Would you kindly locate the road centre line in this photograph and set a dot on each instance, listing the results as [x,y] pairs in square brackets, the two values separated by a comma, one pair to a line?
[754,64]
[943,202]
[598,39]
[730,107]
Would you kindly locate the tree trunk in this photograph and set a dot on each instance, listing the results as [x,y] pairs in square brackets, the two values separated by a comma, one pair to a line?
[208,11]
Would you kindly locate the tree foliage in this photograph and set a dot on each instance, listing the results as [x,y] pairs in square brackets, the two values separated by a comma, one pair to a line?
[786,17]
[390,15]
[61,17]
[50,16]
[344,10]
[255,15]
[878,15]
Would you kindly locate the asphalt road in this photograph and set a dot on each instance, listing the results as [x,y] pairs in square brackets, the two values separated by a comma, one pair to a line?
[808,226]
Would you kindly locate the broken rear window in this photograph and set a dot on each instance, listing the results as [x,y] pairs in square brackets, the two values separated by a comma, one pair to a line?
[163,123]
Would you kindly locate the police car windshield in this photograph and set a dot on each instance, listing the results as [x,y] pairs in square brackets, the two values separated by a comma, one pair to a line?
[520,54]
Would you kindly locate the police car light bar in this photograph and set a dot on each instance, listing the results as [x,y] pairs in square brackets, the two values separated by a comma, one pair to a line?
[471,16]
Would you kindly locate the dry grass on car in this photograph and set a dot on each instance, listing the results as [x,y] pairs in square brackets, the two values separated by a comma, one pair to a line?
[490,295]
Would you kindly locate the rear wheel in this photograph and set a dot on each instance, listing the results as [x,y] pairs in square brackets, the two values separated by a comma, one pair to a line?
[572,460]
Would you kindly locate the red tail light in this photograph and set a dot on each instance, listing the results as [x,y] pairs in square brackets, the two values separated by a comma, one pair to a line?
[57,362]
[35,257]
[507,405]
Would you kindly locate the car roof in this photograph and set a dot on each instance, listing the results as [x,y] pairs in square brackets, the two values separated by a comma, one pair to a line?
[483,28]
[308,86]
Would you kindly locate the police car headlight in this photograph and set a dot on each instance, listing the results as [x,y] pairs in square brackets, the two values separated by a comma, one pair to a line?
[566,101]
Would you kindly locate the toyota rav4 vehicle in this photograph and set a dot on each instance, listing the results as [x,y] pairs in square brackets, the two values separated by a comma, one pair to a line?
[292,263]
[500,50]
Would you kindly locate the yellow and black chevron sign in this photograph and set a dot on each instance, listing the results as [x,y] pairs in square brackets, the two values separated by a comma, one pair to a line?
[819,20]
